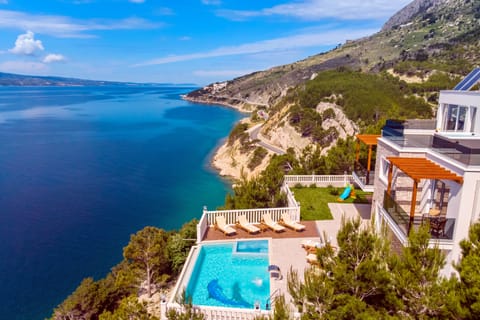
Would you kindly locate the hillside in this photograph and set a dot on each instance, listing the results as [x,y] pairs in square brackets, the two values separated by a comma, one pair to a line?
[435,34]
[423,48]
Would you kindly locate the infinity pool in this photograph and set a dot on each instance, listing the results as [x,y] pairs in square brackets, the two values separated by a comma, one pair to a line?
[233,274]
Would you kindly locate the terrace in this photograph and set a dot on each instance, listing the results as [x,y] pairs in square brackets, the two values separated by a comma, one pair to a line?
[284,249]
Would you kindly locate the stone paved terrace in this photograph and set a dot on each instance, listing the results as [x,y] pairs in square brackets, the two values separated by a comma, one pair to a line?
[285,247]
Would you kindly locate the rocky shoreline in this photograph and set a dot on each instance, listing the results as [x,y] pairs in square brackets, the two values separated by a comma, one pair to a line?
[226,160]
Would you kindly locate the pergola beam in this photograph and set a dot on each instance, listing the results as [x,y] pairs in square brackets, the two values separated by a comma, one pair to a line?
[370,140]
[422,168]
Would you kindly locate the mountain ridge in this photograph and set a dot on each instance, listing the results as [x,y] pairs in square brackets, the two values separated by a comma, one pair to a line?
[429,27]
[421,49]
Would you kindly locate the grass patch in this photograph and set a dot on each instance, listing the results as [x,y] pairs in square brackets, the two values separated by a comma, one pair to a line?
[313,201]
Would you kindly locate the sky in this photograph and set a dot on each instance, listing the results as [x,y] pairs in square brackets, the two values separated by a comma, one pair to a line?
[181,41]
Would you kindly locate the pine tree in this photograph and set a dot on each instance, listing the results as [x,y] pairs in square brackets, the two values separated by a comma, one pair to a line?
[353,283]
[416,278]
[147,255]
[468,269]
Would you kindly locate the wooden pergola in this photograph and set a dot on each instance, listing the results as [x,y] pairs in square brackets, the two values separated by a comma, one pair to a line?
[370,140]
[418,169]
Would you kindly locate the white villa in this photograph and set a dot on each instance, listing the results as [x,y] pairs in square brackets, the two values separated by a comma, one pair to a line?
[425,171]
[429,171]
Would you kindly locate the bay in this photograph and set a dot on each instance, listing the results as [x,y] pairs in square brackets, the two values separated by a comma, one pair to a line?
[82,168]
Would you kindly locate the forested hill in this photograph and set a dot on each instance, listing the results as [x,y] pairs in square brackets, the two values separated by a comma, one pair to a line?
[11,79]
[425,36]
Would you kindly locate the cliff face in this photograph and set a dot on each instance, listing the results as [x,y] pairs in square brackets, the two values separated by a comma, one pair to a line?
[411,11]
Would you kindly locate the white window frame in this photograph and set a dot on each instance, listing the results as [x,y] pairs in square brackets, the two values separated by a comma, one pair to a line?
[384,168]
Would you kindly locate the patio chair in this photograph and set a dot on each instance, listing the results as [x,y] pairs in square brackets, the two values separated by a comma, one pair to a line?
[289,223]
[243,223]
[275,272]
[267,220]
[221,225]
[437,226]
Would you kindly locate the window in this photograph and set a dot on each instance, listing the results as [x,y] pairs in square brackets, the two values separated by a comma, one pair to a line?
[384,167]
[473,114]
[455,118]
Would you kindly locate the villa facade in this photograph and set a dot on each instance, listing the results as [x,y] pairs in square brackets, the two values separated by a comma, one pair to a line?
[429,172]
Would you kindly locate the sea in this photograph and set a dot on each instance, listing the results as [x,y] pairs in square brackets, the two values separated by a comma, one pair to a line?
[83,168]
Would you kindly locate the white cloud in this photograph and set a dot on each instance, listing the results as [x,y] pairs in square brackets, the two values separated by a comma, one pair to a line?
[320,9]
[222,73]
[212,2]
[164,11]
[326,38]
[137,1]
[66,27]
[185,38]
[27,45]
[53,57]
[28,67]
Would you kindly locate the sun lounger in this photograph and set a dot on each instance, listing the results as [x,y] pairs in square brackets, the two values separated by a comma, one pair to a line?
[311,244]
[267,220]
[221,225]
[247,226]
[312,259]
[289,223]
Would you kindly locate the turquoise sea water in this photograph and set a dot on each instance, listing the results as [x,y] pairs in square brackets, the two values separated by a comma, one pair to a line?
[83,168]
[225,276]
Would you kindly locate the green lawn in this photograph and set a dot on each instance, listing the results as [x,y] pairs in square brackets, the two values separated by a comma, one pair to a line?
[313,201]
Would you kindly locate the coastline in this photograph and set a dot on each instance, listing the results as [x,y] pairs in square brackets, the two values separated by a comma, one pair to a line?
[239,107]
[217,162]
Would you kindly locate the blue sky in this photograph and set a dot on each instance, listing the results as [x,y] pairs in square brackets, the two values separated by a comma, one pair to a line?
[194,41]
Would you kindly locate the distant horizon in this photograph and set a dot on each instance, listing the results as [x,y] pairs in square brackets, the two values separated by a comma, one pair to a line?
[196,41]
[102,80]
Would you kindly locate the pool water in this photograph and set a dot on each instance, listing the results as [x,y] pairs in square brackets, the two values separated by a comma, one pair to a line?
[256,247]
[224,278]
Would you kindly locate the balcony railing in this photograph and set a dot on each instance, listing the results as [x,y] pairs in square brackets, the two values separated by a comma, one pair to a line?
[365,176]
[440,227]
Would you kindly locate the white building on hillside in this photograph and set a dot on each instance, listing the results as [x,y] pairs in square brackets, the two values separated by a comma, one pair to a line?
[429,172]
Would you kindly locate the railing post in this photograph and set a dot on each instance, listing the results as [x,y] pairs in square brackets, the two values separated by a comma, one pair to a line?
[163,308]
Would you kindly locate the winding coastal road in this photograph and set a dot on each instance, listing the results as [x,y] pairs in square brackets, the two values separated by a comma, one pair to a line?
[254,133]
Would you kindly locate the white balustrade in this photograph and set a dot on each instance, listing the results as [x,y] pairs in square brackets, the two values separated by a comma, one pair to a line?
[290,197]
[319,180]
[253,215]
[220,313]
[202,226]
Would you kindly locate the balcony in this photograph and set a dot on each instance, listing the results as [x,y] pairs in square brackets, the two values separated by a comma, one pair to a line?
[441,228]
[464,148]
[364,171]
[364,178]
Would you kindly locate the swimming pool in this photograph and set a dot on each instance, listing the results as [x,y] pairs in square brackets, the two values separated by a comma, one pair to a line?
[233,274]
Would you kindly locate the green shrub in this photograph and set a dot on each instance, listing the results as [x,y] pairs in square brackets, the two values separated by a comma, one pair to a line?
[238,132]
[333,191]
[258,155]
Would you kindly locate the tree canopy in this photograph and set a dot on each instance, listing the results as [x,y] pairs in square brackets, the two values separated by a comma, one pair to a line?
[364,279]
